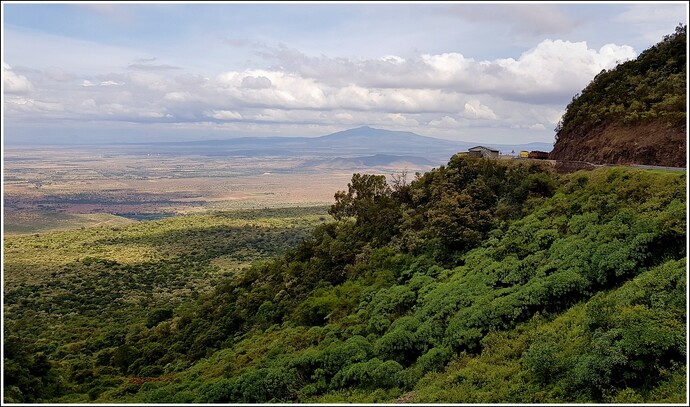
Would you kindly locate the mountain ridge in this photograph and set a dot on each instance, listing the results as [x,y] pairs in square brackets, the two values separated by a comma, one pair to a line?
[358,141]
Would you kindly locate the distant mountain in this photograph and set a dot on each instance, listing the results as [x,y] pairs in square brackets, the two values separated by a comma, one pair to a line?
[358,142]
[366,134]
[368,140]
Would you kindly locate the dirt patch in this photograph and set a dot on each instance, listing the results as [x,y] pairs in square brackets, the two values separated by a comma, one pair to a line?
[647,144]
[406,398]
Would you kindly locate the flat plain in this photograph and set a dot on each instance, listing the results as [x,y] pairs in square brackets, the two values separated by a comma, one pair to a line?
[61,188]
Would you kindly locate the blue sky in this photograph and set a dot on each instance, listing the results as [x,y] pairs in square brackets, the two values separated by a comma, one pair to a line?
[490,72]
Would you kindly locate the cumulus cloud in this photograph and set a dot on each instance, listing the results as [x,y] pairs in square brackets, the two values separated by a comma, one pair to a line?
[150,80]
[441,69]
[153,114]
[429,89]
[547,72]
[445,121]
[152,67]
[35,106]
[439,93]
[475,110]
[224,115]
[343,117]
[14,83]
[58,74]
[256,82]
[401,119]
[178,96]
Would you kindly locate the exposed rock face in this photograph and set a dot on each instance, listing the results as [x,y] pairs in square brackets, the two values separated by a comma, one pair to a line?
[648,144]
[633,114]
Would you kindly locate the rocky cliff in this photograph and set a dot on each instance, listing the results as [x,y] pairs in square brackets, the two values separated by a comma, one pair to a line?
[633,114]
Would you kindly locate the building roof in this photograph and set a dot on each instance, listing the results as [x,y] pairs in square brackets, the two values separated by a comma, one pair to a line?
[483,148]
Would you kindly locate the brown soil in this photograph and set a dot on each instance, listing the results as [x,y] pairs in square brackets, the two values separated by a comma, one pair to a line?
[646,144]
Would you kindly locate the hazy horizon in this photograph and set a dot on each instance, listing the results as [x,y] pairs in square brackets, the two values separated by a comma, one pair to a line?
[501,73]
[98,142]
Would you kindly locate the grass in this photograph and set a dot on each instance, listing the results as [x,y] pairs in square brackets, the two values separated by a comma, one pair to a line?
[65,290]
[50,221]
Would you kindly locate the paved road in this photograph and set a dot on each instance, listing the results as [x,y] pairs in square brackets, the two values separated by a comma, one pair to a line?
[646,167]
[656,167]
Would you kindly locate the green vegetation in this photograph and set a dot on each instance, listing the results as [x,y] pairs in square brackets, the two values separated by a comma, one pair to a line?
[68,294]
[649,88]
[480,281]
[16,222]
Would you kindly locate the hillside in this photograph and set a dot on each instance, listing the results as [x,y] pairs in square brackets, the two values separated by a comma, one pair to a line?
[481,281]
[360,141]
[363,140]
[633,114]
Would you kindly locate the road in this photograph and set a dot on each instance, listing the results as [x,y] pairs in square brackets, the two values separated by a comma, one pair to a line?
[656,167]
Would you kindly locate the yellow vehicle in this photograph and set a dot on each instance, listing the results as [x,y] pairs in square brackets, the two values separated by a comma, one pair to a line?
[524,154]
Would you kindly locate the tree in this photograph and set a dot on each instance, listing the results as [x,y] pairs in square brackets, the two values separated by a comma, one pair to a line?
[364,192]
[370,201]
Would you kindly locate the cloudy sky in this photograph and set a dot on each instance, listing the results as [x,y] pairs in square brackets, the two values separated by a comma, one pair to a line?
[490,72]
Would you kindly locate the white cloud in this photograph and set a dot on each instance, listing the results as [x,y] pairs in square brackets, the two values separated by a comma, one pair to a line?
[57,74]
[153,114]
[152,67]
[343,117]
[224,115]
[445,91]
[110,83]
[550,71]
[14,83]
[178,96]
[445,121]
[393,59]
[475,110]
[401,119]
[34,106]
[152,81]
[88,103]
[430,93]
[114,109]
[256,82]
[446,66]
[553,116]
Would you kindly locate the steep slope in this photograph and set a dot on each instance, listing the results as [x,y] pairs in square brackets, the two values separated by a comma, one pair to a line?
[480,281]
[632,114]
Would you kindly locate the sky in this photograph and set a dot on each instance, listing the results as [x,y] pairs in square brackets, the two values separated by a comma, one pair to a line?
[135,71]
